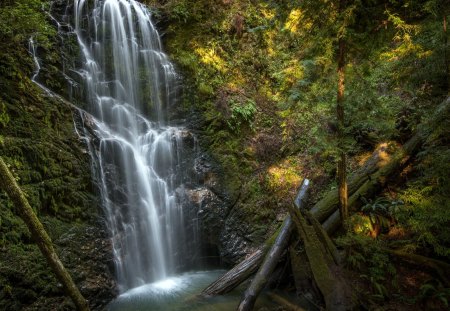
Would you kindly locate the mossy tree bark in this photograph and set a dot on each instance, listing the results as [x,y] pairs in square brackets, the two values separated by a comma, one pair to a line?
[42,239]
[323,260]
[272,258]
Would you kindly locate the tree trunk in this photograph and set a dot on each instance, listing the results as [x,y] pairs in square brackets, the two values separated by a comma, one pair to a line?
[323,260]
[446,60]
[235,276]
[271,260]
[9,185]
[330,202]
[342,163]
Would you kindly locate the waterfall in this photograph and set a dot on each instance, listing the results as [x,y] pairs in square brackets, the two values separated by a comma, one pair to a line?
[129,84]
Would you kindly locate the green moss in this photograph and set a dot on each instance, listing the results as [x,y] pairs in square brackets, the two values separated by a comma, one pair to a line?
[43,152]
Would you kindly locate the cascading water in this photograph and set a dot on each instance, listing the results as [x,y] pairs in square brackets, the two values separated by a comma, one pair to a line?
[142,164]
[126,77]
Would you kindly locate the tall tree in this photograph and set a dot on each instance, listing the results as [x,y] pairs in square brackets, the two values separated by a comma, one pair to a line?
[346,26]
[342,161]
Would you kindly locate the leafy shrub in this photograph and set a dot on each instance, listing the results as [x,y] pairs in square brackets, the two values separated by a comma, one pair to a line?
[241,114]
[366,256]
[435,290]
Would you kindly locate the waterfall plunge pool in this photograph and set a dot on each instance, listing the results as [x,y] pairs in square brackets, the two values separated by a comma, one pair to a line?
[179,293]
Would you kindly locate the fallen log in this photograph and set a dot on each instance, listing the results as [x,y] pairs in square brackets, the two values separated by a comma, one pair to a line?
[243,270]
[323,261]
[374,183]
[235,276]
[271,259]
[324,211]
[365,182]
[43,241]
[329,203]
[374,175]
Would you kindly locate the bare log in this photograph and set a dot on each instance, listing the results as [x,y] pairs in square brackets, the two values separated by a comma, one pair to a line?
[271,260]
[235,276]
[10,186]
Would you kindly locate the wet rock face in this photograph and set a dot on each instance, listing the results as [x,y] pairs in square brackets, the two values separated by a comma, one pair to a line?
[224,228]
[211,212]
[204,210]
[239,237]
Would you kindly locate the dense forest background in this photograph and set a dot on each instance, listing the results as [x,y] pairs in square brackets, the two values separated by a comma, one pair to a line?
[260,85]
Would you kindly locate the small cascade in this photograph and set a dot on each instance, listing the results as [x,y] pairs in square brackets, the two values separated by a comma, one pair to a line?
[32,48]
[128,85]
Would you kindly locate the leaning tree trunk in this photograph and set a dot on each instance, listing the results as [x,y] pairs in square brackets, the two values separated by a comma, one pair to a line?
[232,278]
[272,258]
[247,267]
[10,186]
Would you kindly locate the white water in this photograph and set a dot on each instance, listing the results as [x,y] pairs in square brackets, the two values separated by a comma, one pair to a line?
[127,79]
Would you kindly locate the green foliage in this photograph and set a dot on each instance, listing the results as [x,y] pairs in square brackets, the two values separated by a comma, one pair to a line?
[381,213]
[427,196]
[435,290]
[241,114]
[381,206]
[21,20]
[4,117]
[365,256]
[427,214]
[180,11]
